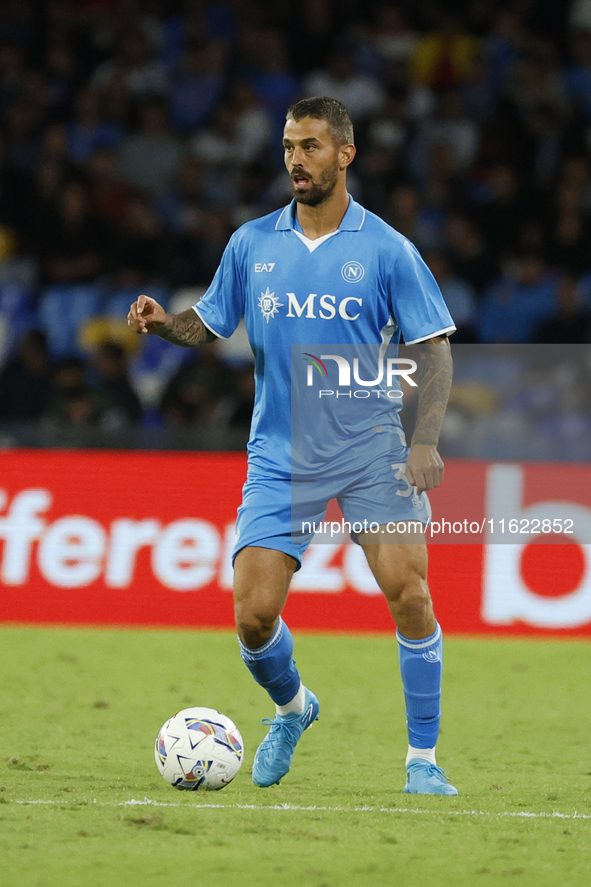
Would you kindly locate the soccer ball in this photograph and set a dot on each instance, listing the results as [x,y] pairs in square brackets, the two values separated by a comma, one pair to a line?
[199,748]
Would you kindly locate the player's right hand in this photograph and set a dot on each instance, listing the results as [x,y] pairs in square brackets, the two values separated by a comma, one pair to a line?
[146,315]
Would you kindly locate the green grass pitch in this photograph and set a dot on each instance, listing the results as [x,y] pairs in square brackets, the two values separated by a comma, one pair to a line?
[79,711]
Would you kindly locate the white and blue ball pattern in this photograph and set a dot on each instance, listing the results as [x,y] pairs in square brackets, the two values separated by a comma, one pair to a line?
[199,748]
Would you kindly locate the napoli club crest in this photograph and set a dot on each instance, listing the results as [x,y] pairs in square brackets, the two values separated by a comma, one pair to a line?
[353,272]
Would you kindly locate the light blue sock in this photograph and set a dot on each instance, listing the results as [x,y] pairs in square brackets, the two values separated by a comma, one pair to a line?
[272,665]
[420,665]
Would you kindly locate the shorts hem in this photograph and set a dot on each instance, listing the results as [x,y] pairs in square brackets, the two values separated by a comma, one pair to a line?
[274,543]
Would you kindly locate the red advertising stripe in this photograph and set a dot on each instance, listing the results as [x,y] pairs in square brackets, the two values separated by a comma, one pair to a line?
[145,539]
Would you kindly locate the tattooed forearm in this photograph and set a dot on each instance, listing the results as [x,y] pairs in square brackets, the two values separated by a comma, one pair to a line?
[186,329]
[435,369]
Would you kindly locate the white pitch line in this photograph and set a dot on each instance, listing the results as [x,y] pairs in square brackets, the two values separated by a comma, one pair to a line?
[366,808]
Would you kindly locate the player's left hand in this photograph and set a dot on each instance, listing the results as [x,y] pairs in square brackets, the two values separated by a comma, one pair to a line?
[424,467]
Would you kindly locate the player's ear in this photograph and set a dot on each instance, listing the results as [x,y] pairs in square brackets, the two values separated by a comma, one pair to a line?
[346,155]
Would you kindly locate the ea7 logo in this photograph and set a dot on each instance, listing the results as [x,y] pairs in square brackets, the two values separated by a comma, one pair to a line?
[264,266]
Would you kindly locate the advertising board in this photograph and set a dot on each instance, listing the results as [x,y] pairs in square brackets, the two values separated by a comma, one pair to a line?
[145,539]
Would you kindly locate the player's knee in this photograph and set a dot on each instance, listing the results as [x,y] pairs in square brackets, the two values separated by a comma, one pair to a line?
[413,601]
[255,627]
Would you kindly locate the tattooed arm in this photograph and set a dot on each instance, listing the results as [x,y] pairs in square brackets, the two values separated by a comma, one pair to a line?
[186,329]
[424,467]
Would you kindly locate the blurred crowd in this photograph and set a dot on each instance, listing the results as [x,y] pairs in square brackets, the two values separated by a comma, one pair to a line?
[136,136]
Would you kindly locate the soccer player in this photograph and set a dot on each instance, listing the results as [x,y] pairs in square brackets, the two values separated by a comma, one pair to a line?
[323,270]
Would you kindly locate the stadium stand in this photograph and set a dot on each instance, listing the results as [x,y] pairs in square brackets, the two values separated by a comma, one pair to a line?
[135,137]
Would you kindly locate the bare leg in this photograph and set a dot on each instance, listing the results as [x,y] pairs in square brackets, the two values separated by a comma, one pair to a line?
[261,583]
[400,569]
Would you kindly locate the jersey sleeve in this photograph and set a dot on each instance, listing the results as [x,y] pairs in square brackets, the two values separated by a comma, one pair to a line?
[222,306]
[417,304]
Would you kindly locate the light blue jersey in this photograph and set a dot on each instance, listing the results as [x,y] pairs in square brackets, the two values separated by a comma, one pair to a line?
[365,284]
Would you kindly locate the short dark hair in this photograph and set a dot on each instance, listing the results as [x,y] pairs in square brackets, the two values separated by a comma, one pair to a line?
[322,107]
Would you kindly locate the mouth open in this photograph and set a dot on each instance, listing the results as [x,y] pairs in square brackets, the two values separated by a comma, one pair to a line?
[300,180]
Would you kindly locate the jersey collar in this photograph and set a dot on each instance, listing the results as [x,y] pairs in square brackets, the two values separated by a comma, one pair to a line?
[352,220]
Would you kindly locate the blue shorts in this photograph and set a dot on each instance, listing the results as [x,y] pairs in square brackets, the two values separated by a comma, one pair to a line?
[279,513]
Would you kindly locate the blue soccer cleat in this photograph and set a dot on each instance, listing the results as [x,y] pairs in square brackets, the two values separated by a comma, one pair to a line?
[273,757]
[424,778]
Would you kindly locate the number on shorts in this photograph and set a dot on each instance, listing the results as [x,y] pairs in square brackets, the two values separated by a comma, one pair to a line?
[399,469]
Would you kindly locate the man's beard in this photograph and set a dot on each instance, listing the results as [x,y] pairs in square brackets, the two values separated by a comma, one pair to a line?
[320,191]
